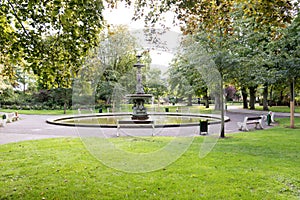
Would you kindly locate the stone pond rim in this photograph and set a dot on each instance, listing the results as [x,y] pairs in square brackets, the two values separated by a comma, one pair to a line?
[60,120]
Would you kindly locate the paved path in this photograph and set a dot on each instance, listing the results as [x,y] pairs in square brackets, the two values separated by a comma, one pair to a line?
[32,127]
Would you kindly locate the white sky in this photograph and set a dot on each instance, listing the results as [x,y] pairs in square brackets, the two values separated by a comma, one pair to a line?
[123,16]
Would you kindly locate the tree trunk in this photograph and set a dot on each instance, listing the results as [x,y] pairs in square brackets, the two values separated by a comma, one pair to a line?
[206,98]
[265,97]
[252,91]
[271,93]
[292,104]
[218,105]
[222,134]
[244,96]
[65,101]
[190,100]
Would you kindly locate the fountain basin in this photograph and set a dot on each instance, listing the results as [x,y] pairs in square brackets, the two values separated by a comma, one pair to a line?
[110,120]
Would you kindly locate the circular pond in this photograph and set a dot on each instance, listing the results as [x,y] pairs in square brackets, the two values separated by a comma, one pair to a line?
[110,120]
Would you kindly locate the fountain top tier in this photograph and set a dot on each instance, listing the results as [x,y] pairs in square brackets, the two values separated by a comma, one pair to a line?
[139,86]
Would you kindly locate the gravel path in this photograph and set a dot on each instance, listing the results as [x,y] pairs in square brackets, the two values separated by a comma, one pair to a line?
[33,127]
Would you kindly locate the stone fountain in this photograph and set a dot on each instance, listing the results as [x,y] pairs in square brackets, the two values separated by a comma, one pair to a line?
[139,112]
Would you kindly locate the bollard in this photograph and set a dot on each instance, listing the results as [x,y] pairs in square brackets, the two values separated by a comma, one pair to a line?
[269,119]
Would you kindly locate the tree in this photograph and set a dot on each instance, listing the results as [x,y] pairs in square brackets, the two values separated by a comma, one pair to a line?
[52,36]
[4,82]
[155,84]
[109,66]
[289,59]
[214,17]
[185,73]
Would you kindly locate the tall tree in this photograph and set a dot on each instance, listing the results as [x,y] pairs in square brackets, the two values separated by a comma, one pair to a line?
[155,84]
[50,34]
[289,59]
[109,66]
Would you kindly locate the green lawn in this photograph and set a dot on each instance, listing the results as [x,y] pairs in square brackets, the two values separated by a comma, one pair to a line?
[39,112]
[250,165]
[279,108]
[184,109]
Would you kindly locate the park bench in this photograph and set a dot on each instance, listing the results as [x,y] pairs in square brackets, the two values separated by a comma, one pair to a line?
[250,120]
[3,120]
[10,117]
[135,124]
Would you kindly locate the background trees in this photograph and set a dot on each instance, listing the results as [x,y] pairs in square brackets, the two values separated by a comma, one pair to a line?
[217,19]
[50,37]
[108,72]
[155,84]
[254,45]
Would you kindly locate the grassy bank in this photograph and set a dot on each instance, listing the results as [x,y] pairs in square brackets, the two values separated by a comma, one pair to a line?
[250,165]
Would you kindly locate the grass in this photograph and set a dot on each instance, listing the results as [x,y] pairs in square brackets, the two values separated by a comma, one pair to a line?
[284,109]
[38,112]
[250,165]
[185,109]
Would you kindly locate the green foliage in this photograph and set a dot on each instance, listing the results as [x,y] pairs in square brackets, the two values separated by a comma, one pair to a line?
[155,83]
[51,36]
[288,50]
[108,69]
[44,99]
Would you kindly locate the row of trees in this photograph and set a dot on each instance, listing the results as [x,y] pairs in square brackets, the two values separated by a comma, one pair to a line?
[249,59]
[250,43]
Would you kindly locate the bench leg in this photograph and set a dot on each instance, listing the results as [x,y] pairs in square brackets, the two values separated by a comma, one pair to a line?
[118,129]
[260,124]
[240,125]
[244,127]
[153,129]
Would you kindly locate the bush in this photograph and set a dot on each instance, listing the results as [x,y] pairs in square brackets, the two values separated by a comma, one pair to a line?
[25,107]
[15,107]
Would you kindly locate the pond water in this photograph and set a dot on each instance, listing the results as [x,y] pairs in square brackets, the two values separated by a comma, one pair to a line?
[113,120]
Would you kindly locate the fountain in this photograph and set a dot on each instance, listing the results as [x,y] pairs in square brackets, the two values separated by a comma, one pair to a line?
[139,116]
[139,98]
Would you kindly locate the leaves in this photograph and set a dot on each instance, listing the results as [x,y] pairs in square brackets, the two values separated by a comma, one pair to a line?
[53,36]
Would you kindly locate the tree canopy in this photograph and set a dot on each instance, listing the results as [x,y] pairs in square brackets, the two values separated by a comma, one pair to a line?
[51,36]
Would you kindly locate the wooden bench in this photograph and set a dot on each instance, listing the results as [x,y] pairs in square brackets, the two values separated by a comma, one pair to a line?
[250,120]
[10,117]
[135,124]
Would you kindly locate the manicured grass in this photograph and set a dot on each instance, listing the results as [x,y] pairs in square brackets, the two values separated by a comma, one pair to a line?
[185,109]
[38,112]
[250,165]
[285,109]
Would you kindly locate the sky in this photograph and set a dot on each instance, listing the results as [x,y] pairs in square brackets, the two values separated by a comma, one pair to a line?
[160,59]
